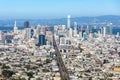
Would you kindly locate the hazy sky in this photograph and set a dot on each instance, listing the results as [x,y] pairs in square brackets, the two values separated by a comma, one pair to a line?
[57,8]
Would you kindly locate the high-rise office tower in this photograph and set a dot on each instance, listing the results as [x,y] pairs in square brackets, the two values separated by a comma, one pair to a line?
[84,36]
[1,34]
[38,29]
[90,36]
[70,33]
[87,30]
[104,31]
[117,34]
[82,32]
[80,35]
[75,28]
[81,28]
[29,33]
[41,40]
[101,30]
[68,22]
[26,24]
[87,27]
[63,27]
[110,28]
[99,33]
[15,28]
[8,39]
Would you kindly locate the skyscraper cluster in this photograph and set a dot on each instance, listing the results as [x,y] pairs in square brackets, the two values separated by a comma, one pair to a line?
[87,51]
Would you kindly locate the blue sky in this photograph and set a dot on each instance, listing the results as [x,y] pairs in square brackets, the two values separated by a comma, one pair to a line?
[45,9]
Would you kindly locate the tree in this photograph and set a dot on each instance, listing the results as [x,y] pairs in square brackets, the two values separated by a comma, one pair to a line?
[5,67]
[38,79]
[111,75]
[14,79]
[48,61]
[23,79]
[45,70]
[7,73]
[102,79]
[27,66]
[30,74]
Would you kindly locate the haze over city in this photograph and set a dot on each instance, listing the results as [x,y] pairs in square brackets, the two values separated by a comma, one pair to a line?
[48,9]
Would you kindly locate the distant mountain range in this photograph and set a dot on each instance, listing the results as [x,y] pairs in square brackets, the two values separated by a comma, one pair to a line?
[80,20]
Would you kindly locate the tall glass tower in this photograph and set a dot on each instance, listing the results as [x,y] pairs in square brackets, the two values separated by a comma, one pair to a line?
[68,22]
[15,27]
[75,28]
[26,24]
[110,28]
[41,40]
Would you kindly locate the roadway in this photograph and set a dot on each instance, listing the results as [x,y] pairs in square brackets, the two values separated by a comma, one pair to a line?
[63,71]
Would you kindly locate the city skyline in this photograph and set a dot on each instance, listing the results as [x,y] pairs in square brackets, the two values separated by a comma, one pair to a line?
[56,9]
[59,40]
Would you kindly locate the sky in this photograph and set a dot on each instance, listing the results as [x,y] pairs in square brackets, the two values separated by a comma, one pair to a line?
[48,9]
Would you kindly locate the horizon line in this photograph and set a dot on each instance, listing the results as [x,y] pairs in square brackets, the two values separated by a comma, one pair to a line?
[55,18]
